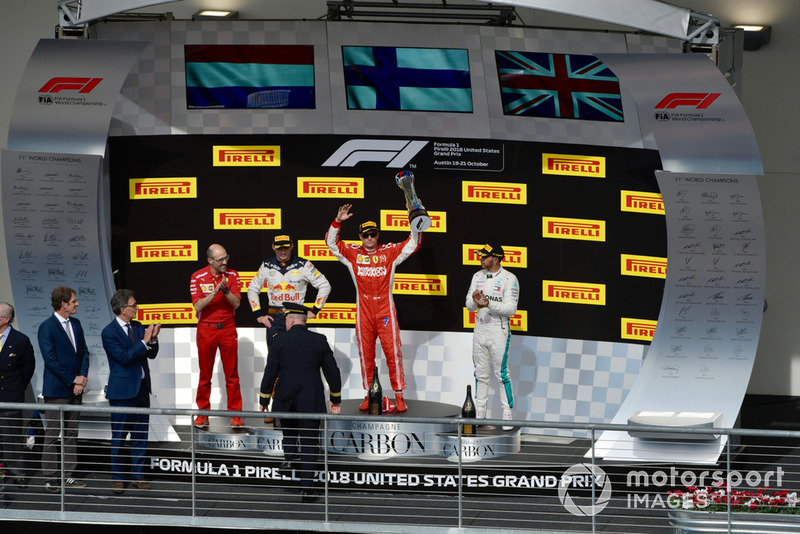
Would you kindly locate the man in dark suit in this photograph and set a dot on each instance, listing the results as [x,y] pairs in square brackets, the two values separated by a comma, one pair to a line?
[128,346]
[297,355]
[66,366]
[17,363]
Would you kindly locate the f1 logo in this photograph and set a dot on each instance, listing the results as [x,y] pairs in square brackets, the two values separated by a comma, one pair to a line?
[696,100]
[82,85]
[396,152]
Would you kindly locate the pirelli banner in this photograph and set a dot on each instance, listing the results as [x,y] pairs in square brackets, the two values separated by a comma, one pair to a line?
[582,227]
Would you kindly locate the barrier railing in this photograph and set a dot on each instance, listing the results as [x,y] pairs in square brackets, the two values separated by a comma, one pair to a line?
[399,474]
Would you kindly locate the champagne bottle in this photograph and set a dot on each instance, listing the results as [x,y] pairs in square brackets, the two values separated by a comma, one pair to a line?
[468,412]
[375,396]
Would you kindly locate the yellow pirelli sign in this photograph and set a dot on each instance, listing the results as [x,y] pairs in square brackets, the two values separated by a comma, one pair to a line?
[162,188]
[167,313]
[647,266]
[574,292]
[638,329]
[398,220]
[579,229]
[514,256]
[245,277]
[318,187]
[247,219]
[518,321]
[494,192]
[150,251]
[317,249]
[420,284]
[336,313]
[572,165]
[247,156]
[641,202]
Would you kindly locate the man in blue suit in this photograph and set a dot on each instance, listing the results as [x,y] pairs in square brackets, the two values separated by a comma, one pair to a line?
[17,363]
[128,346]
[66,366]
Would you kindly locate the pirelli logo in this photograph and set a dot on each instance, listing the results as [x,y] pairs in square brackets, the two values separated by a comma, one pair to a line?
[316,250]
[149,251]
[580,229]
[247,219]
[247,156]
[159,188]
[515,256]
[420,284]
[574,292]
[569,165]
[245,277]
[518,321]
[170,313]
[312,187]
[642,202]
[398,220]
[639,329]
[647,266]
[494,192]
[336,313]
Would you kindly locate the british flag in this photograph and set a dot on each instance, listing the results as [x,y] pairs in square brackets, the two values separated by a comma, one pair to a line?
[565,86]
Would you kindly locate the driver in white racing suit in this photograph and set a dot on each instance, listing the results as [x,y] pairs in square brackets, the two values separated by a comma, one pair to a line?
[494,293]
[287,278]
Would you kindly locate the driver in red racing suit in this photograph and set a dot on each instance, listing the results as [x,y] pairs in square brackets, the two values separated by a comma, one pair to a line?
[372,268]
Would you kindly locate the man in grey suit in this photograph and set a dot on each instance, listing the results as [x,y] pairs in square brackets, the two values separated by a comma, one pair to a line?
[128,345]
[66,366]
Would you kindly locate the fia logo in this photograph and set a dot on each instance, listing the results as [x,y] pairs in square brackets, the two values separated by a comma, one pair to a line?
[661,116]
[45,99]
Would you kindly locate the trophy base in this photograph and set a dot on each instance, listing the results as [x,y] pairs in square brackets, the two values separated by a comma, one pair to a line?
[419,220]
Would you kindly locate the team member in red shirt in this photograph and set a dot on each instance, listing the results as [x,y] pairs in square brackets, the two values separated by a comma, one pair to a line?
[216,293]
[372,268]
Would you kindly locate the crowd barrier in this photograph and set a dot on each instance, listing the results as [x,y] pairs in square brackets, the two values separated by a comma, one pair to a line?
[534,481]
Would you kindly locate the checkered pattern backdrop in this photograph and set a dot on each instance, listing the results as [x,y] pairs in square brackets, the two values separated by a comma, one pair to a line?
[554,379]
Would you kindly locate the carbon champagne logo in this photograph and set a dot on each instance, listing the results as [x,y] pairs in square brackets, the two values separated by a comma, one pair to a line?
[647,266]
[638,329]
[167,313]
[314,187]
[642,202]
[336,313]
[247,156]
[317,249]
[569,165]
[518,321]
[160,188]
[579,229]
[398,220]
[247,219]
[515,256]
[574,292]
[152,251]
[420,284]
[494,192]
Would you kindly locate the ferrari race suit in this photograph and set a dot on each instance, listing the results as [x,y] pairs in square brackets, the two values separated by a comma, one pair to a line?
[376,317]
[492,335]
[216,329]
[286,282]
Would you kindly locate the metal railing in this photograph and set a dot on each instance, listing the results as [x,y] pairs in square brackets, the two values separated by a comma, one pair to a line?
[551,483]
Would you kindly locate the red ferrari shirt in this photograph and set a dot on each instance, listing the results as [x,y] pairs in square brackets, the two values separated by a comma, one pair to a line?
[203,283]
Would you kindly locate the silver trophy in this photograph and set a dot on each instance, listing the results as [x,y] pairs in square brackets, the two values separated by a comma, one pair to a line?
[418,218]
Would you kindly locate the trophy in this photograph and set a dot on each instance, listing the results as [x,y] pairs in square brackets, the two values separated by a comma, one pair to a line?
[418,218]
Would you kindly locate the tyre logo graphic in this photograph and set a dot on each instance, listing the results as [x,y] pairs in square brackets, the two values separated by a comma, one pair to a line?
[593,476]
